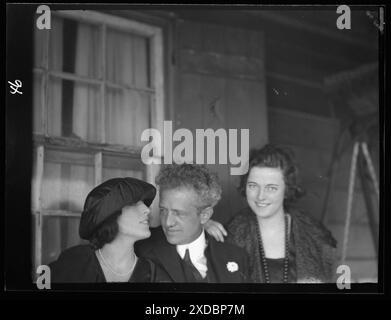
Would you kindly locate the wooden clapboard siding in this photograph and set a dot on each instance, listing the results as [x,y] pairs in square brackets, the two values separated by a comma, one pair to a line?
[221,84]
[300,129]
[218,64]
[188,107]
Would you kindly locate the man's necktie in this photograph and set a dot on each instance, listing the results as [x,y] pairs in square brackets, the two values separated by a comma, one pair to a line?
[192,268]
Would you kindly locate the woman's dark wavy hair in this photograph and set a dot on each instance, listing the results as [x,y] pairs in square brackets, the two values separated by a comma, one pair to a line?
[106,232]
[273,156]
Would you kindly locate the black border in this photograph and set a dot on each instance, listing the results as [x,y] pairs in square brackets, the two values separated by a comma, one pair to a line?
[17,228]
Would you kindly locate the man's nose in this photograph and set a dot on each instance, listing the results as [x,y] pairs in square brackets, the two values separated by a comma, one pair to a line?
[170,220]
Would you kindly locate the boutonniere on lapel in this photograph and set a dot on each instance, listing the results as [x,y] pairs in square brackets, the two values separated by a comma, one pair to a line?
[232,266]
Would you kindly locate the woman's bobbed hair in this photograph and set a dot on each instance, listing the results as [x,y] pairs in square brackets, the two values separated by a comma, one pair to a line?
[273,156]
[107,232]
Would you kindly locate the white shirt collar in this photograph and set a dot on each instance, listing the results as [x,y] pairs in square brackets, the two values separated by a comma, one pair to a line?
[196,248]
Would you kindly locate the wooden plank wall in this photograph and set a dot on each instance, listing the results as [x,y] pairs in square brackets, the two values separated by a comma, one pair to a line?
[312,138]
[220,83]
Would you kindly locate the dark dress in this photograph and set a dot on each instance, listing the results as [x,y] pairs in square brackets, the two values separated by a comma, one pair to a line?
[312,248]
[80,264]
[276,270]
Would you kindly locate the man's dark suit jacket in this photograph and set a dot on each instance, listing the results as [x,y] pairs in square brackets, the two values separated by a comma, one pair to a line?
[229,262]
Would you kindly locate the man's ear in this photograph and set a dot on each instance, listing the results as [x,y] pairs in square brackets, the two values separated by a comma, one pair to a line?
[206,214]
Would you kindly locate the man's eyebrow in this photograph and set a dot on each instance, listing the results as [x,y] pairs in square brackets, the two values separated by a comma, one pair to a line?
[176,210]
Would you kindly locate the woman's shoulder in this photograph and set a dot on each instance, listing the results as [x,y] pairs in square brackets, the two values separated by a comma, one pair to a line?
[313,228]
[242,216]
[77,254]
[241,228]
[75,264]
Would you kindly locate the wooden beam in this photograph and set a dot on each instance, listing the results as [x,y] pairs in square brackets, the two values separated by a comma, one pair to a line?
[157,71]
[37,178]
[221,65]
[299,81]
[58,213]
[74,77]
[71,144]
[36,206]
[307,27]
[93,17]
[37,219]
[336,61]
[102,107]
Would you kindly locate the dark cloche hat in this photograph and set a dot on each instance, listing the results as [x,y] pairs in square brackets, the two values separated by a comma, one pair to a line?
[110,197]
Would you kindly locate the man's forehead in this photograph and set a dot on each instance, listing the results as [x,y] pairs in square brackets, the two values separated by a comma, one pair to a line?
[182,196]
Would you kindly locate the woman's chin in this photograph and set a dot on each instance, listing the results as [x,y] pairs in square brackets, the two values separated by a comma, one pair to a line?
[146,234]
[262,213]
[139,235]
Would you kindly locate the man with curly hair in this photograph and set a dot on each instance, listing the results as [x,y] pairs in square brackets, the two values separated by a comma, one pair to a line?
[188,194]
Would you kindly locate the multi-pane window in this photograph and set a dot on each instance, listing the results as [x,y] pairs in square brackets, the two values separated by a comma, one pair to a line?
[98,83]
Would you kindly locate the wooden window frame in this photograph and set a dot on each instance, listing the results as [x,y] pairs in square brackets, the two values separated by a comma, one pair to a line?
[42,142]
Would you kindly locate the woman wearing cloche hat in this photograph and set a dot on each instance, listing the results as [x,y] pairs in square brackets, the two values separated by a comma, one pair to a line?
[115,216]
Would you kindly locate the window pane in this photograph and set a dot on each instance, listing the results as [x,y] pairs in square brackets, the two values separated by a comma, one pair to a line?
[38,104]
[67,179]
[86,106]
[58,234]
[75,48]
[127,60]
[118,166]
[127,115]
[109,173]
[54,116]
[73,109]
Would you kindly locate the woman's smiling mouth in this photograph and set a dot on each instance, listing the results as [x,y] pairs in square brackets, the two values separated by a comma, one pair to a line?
[261,205]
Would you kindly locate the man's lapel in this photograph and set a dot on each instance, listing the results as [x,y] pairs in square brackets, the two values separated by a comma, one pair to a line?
[169,259]
[218,259]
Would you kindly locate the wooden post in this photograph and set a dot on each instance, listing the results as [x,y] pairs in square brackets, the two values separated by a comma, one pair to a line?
[350,200]
[371,169]
[366,191]
[98,168]
[331,176]
[36,206]
[102,127]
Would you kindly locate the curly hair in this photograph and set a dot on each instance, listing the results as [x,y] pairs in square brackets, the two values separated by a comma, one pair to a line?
[272,156]
[107,231]
[195,176]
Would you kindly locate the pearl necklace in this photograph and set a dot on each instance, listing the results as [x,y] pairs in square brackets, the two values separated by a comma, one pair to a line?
[286,258]
[112,269]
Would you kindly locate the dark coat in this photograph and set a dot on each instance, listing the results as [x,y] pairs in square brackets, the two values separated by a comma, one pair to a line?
[218,256]
[79,264]
[313,246]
